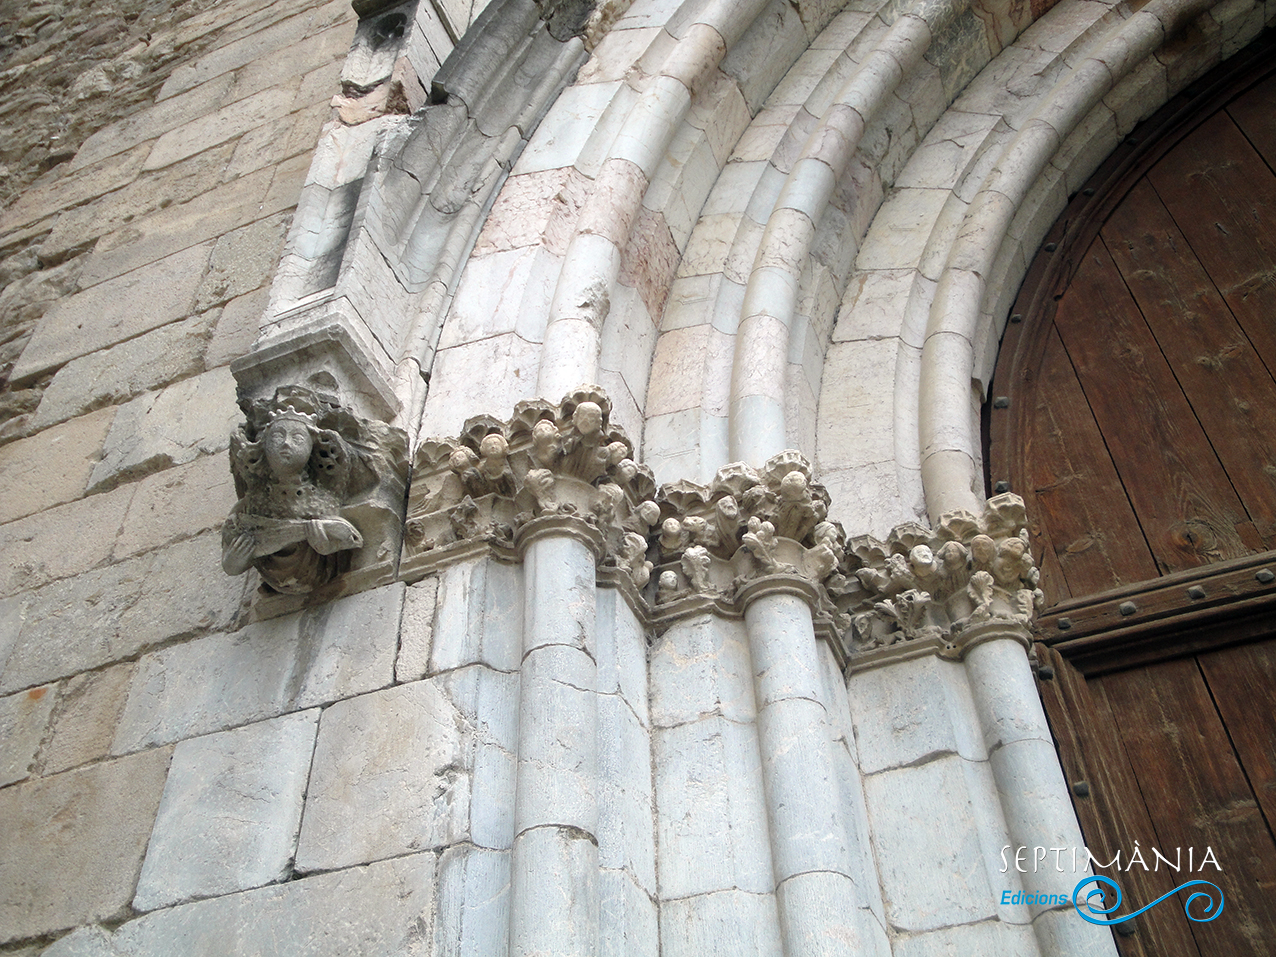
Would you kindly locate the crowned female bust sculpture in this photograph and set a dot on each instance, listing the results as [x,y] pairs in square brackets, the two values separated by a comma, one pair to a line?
[300,461]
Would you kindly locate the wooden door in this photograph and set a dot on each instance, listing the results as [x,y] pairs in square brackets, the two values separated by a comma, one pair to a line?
[1137,417]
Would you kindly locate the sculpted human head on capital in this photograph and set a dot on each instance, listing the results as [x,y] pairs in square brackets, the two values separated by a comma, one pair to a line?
[287,445]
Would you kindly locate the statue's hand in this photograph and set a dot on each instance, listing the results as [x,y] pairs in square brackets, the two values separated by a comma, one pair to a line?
[237,557]
[328,535]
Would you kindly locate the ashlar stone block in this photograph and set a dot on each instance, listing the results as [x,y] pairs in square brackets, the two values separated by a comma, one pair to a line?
[101,378]
[88,709]
[72,844]
[51,467]
[113,311]
[393,773]
[171,427]
[268,668]
[242,792]
[385,909]
[23,719]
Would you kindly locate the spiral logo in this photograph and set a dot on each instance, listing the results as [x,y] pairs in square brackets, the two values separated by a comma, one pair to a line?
[1202,900]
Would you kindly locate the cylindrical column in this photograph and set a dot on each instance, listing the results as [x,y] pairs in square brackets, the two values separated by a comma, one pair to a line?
[1034,795]
[820,909]
[554,880]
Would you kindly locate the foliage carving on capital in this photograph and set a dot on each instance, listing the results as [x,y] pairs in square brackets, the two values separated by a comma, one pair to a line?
[747,524]
[317,485]
[548,460]
[937,583]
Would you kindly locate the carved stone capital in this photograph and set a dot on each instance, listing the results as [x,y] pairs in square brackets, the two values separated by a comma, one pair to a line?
[320,491]
[945,588]
[747,533]
[550,467]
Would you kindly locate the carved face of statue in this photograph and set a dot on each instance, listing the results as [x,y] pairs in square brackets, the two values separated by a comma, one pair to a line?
[288,445]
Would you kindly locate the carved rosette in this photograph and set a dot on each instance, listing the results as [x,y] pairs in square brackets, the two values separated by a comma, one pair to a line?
[749,531]
[550,467]
[320,491]
[969,577]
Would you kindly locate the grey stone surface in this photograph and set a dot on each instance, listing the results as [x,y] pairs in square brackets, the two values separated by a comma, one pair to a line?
[820,914]
[175,504]
[723,924]
[911,710]
[626,825]
[712,825]
[72,844]
[628,920]
[23,719]
[622,653]
[404,768]
[243,260]
[51,467]
[174,426]
[237,327]
[206,131]
[558,740]
[242,792]
[89,708]
[987,939]
[268,668]
[558,916]
[384,909]
[35,548]
[473,917]
[925,824]
[123,371]
[113,311]
[700,667]
[479,617]
[116,611]
[416,631]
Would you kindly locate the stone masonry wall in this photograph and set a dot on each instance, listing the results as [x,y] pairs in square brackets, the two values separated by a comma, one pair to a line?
[157,151]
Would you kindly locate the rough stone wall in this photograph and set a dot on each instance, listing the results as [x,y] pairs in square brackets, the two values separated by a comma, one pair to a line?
[156,151]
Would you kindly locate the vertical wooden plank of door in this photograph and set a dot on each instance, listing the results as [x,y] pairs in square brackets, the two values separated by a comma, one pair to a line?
[1254,112]
[1184,501]
[1243,682]
[1223,197]
[1113,815]
[1228,386]
[1092,528]
[1197,797]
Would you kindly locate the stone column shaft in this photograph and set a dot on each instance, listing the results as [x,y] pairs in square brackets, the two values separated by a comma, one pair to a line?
[554,884]
[1030,784]
[810,846]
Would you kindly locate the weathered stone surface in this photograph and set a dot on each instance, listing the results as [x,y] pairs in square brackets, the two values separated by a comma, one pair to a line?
[384,909]
[913,833]
[416,630]
[237,327]
[479,618]
[702,667]
[723,924]
[174,426]
[242,792]
[23,719]
[341,649]
[75,228]
[89,708]
[243,260]
[116,611]
[419,765]
[114,311]
[176,503]
[52,467]
[23,301]
[473,918]
[125,370]
[712,828]
[72,844]
[36,549]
